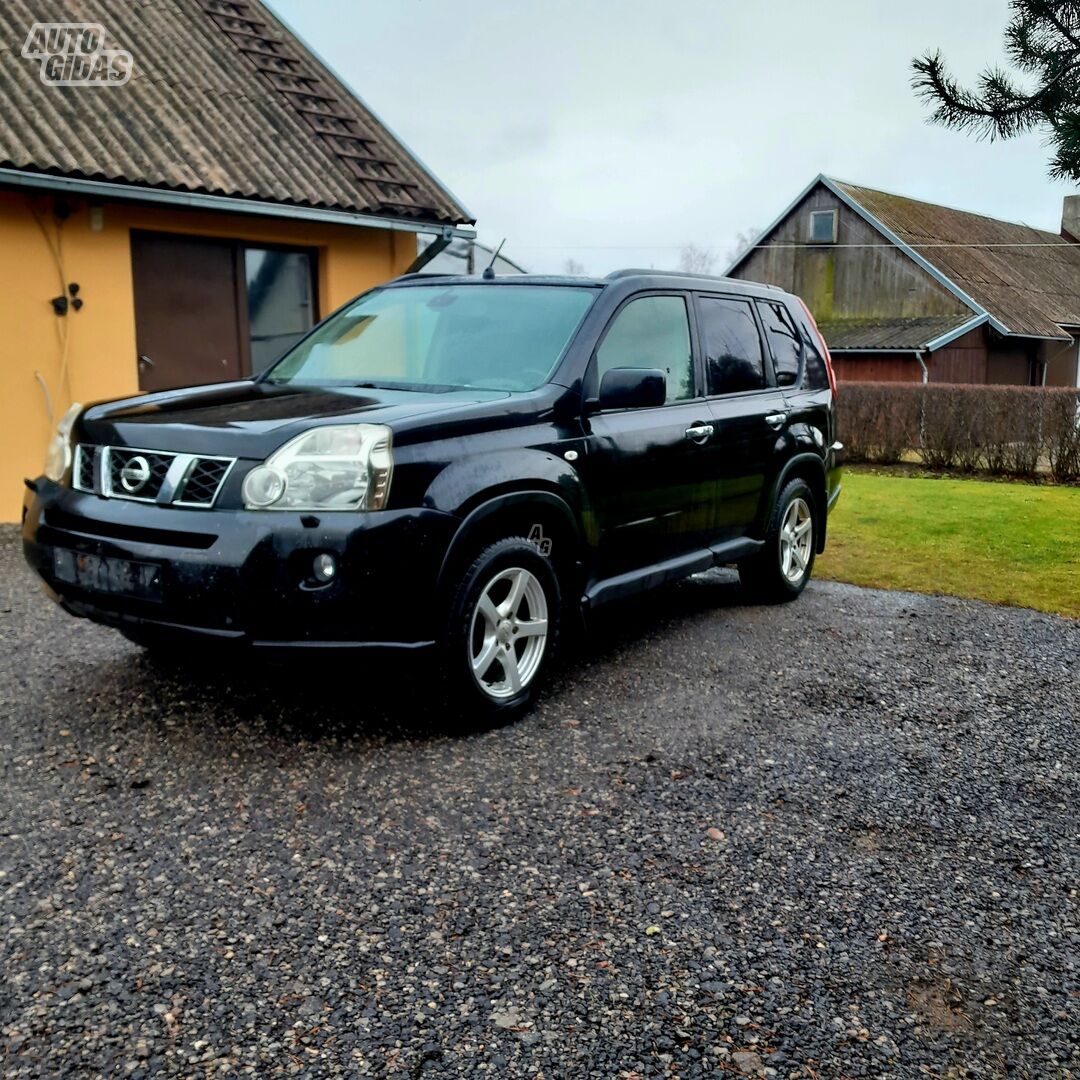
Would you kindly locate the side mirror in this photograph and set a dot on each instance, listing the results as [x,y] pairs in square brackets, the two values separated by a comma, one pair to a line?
[632,388]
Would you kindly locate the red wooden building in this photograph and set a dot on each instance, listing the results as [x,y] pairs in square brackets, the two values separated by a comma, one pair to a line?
[907,291]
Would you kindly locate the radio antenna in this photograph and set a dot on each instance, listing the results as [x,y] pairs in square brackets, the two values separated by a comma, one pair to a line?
[489,270]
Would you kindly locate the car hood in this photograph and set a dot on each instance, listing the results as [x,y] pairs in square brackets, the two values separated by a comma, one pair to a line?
[252,419]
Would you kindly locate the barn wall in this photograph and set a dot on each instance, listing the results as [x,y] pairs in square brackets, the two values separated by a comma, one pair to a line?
[1062,362]
[837,282]
[962,360]
[876,367]
[980,356]
[1011,366]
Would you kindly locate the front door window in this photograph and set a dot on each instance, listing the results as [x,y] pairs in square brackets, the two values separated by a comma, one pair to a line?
[651,332]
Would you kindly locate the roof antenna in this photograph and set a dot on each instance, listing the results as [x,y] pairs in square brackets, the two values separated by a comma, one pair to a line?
[489,270]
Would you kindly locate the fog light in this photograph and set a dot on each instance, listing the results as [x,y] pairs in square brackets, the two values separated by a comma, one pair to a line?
[324,568]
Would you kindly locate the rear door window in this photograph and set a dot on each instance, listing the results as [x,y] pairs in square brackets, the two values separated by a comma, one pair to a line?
[731,342]
[785,341]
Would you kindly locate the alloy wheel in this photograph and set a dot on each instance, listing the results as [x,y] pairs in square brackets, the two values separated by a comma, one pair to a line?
[508,633]
[796,541]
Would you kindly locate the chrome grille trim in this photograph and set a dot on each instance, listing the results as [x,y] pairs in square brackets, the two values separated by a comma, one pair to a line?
[208,470]
[84,457]
[193,468]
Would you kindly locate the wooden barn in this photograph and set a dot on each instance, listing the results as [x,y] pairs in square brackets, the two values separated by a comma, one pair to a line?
[906,291]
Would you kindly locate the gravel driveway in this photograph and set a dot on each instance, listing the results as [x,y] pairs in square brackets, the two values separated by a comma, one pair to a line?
[833,839]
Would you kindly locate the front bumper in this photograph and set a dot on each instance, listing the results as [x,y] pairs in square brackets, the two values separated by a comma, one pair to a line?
[245,577]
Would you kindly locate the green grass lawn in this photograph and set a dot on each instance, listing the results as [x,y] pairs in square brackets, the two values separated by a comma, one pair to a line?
[1003,542]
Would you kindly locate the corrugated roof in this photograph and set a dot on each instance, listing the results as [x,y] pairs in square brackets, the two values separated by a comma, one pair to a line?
[223,100]
[1029,287]
[885,334]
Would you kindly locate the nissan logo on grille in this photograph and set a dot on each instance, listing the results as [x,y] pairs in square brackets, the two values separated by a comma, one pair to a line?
[134,474]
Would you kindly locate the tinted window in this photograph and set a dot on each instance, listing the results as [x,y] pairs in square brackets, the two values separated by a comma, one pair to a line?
[784,340]
[652,332]
[815,376]
[732,344]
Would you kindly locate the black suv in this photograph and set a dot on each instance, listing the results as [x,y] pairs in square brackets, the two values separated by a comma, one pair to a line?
[458,466]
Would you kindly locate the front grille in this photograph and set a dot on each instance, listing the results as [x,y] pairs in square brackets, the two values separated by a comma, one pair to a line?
[136,474]
[203,482]
[152,476]
[82,475]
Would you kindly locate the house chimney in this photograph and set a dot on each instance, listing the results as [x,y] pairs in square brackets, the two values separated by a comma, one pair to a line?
[1070,217]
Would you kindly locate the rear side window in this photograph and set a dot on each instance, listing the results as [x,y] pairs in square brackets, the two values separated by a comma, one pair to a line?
[651,332]
[784,340]
[815,374]
[734,361]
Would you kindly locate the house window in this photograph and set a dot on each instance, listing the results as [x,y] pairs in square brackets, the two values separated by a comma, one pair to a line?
[280,301]
[823,226]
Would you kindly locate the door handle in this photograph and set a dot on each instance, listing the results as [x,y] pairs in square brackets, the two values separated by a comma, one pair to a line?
[776,419]
[145,361]
[699,433]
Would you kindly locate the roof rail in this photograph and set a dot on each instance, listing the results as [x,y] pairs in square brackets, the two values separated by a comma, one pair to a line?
[616,274]
[640,271]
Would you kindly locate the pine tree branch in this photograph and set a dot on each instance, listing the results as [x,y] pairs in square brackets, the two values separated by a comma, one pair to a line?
[1042,39]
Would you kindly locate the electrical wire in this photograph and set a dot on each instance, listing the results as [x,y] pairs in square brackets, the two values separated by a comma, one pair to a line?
[755,247]
[63,324]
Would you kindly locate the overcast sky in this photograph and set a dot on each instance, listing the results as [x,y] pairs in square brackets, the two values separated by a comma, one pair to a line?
[614,132]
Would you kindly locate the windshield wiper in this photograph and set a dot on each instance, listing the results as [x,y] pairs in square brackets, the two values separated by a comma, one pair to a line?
[411,387]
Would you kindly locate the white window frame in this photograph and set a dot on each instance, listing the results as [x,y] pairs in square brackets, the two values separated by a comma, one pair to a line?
[835,217]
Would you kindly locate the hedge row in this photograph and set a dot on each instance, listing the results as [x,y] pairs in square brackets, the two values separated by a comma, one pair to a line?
[1007,430]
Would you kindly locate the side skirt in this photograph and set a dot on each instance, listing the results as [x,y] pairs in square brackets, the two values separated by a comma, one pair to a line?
[661,573]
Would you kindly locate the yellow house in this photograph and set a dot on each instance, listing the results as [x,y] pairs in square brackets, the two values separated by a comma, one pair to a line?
[187,224]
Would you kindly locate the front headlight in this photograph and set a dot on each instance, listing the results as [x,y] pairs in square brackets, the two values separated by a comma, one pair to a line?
[342,467]
[58,455]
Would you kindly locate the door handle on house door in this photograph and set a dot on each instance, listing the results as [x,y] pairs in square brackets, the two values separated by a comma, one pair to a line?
[699,432]
[776,419]
[145,361]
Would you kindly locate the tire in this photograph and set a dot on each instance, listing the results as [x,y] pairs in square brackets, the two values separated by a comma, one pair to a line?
[489,667]
[780,571]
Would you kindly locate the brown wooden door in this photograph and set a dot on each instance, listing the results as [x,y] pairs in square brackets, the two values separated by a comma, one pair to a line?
[187,315]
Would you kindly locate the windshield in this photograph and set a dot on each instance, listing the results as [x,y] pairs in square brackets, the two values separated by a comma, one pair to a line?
[441,337]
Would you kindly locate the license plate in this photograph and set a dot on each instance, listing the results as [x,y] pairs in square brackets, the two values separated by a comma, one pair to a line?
[101,574]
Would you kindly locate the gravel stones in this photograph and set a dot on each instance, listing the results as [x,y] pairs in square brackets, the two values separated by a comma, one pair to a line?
[296,870]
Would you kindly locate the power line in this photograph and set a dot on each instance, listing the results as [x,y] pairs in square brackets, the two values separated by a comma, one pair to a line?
[914,244]
[757,247]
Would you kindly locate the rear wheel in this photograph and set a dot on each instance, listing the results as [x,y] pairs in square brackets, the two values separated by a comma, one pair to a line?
[502,629]
[782,568]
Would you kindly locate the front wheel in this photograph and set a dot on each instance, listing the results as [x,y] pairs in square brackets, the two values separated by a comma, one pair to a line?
[782,568]
[502,629]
